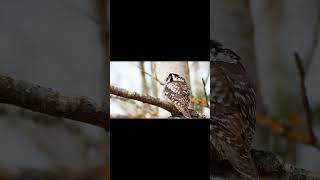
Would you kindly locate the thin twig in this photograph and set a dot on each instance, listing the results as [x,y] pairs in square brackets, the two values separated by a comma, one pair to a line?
[82,11]
[306,103]
[155,78]
[314,45]
[205,92]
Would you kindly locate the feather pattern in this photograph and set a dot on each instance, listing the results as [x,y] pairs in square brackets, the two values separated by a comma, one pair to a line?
[177,92]
[233,106]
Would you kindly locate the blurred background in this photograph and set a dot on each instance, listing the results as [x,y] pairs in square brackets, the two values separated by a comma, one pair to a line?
[266,34]
[145,77]
[61,45]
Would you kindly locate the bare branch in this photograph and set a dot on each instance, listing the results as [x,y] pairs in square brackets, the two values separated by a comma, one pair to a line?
[151,100]
[268,164]
[58,173]
[145,99]
[51,102]
[205,92]
[314,45]
[82,11]
[306,103]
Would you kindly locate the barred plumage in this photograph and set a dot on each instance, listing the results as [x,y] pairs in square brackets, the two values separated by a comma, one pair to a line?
[177,91]
[233,104]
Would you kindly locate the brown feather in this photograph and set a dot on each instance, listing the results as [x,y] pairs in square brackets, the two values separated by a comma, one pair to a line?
[233,114]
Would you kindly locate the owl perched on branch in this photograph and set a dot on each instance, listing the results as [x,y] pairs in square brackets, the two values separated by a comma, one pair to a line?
[233,106]
[177,91]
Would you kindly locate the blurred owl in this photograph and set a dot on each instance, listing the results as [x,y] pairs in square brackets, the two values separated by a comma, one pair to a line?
[233,106]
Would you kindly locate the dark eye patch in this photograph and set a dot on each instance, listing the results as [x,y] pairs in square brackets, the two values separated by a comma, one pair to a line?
[175,75]
[169,77]
[231,54]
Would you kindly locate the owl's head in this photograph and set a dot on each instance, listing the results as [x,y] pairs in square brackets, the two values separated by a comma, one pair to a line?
[215,47]
[218,53]
[174,77]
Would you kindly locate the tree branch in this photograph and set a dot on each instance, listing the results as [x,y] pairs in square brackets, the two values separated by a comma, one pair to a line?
[314,44]
[268,165]
[306,103]
[51,102]
[145,99]
[58,173]
[205,92]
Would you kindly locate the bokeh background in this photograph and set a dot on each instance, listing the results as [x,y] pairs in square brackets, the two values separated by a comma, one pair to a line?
[267,34]
[60,45]
[140,77]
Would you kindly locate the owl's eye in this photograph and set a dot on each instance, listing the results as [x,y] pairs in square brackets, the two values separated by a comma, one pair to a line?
[168,78]
[231,54]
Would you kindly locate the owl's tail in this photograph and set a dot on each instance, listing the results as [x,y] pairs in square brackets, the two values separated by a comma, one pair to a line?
[246,167]
[186,113]
[182,106]
[241,161]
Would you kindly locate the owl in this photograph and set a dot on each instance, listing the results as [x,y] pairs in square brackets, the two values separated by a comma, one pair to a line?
[233,106]
[177,91]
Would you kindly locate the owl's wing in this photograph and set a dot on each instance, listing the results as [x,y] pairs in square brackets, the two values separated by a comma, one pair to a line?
[184,88]
[179,89]
[231,120]
[246,100]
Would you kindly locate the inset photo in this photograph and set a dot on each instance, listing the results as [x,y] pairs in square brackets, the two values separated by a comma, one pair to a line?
[160,89]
